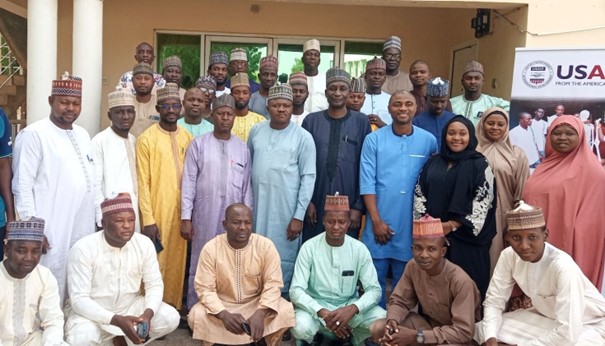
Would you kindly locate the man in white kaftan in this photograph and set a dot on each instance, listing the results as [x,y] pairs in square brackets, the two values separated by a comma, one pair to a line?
[113,152]
[106,271]
[53,176]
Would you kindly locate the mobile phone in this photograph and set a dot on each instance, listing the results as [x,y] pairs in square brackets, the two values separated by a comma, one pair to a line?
[246,328]
[391,330]
[142,330]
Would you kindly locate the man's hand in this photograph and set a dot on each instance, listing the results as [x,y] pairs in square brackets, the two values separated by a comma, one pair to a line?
[376,120]
[232,322]
[402,336]
[337,320]
[382,232]
[146,317]
[186,230]
[355,219]
[294,229]
[311,215]
[257,324]
[491,342]
[152,231]
[128,324]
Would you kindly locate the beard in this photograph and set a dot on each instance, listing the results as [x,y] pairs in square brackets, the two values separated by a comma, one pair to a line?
[241,105]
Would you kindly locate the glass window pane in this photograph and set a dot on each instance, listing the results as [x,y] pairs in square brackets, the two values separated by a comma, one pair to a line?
[186,47]
[289,58]
[358,53]
[255,52]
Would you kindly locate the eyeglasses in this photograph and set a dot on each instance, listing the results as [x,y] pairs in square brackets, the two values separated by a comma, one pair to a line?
[175,106]
[210,91]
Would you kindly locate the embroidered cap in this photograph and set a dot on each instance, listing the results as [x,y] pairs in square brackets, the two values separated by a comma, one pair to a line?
[427,227]
[169,91]
[218,58]
[120,97]
[358,85]
[283,91]
[29,230]
[268,61]
[392,42]
[207,82]
[121,203]
[172,61]
[298,78]
[238,54]
[525,216]
[225,100]
[337,203]
[67,86]
[473,66]
[142,68]
[336,74]
[437,87]
[240,79]
[312,44]
[376,64]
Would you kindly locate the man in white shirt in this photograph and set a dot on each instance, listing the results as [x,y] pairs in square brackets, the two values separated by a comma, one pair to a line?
[316,82]
[300,93]
[53,176]
[29,298]
[114,154]
[559,110]
[106,271]
[540,126]
[525,137]
[567,308]
[376,104]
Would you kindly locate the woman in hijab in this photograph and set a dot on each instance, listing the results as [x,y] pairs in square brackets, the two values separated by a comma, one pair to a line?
[457,186]
[570,187]
[510,166]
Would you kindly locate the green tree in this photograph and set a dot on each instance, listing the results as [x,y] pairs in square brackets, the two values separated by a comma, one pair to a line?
[298,66]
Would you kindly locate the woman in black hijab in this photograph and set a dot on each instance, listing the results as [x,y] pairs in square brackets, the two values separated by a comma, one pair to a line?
[457,186]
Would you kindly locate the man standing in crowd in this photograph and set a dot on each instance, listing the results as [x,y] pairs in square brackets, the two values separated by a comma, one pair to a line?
[268,77]
[160,156]
[244,118]
[216,174]
[391,161]
[283,177]
[436,116]
[473,103]
[324,287]
[448,299]
[396,80]
[540,127]
[53,178]
[338,134]
[207,84]
[376,104]
[143,53]
[172,71]
[30,313]
[238,63]
[238,281]
[559,110]
[316,82]
[194,104]
[300,93]
[113,152]
[419,76]
[357,94]
[525,137]
[217,68]
[98,311]
[7,205]
[145,99]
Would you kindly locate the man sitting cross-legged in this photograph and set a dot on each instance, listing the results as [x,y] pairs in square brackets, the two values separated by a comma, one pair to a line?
[105,273]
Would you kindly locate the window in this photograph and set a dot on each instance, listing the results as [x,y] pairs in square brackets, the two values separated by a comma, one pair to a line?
[357,54]
[186,47]
[256,48]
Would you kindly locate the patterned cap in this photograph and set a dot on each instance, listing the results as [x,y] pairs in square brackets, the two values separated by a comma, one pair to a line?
[238,54]
[392,42]
[142,68]
[207,82]
[268,61]
[473,66]
[312,44]
[67,86]
[525,217]
[283,91]
[298,78]
[169,91]
[120,97]
[376,64]
[172,61]
[337,203]
[358,85]
[240,79]
[29,230]
[121,203]
[225,100]
[427,227]
[437,87]
[218,58]
[336,74]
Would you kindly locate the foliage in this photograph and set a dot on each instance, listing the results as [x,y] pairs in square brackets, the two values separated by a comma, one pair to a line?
[190,57]
[298,66]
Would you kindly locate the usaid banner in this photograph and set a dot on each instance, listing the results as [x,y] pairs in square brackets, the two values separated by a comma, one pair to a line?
[548,82]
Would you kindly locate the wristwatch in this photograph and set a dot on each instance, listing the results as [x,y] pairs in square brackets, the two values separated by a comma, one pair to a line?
[420,336]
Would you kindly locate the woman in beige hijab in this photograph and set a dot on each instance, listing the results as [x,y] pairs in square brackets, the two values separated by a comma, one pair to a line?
[510,167]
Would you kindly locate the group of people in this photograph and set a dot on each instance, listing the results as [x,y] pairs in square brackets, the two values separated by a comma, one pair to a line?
[283,211]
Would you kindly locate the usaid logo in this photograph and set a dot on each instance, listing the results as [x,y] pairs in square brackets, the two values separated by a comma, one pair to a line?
[537,74]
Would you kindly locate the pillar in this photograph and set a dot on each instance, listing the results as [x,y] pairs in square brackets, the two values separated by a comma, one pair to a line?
[41,56]
[88,60]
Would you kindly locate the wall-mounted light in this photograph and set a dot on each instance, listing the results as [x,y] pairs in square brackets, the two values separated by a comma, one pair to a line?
[481,22]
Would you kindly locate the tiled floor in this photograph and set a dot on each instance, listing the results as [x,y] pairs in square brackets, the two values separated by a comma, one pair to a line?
[181,337]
